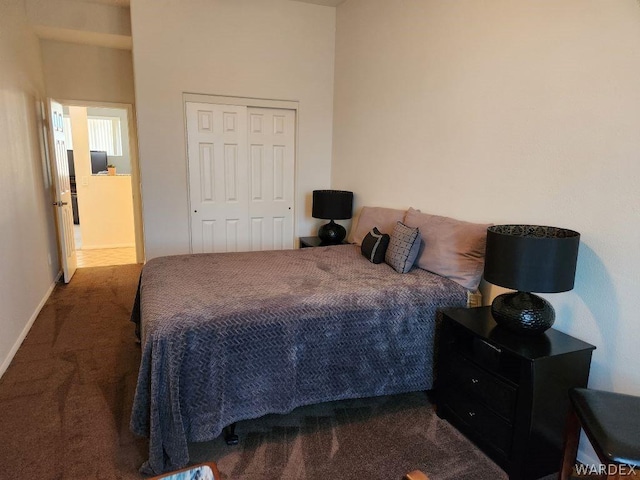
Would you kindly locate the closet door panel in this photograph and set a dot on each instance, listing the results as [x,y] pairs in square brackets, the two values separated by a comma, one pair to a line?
[218,183]
[272,152]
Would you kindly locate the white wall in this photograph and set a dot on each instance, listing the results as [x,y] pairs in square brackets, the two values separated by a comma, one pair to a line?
[507,112]
[87,72]
[94,23]
[270,49]
[97,17]
[26,219]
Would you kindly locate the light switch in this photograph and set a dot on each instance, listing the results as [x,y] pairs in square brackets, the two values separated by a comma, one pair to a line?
[85,180]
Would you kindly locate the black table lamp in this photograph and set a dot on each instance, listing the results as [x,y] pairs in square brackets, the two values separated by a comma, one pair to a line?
[332,205]
[529,258]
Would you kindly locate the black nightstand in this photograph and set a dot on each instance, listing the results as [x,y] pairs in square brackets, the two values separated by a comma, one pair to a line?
[508,393]
[314,242]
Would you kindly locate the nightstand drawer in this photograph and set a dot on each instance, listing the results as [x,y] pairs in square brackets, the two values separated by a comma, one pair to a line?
[482,385]
[480,420]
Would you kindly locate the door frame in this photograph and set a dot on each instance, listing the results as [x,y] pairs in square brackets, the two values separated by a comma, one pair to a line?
[136,188]
[243,102]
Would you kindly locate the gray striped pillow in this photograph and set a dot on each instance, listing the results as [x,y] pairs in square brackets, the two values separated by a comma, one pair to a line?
[403,248]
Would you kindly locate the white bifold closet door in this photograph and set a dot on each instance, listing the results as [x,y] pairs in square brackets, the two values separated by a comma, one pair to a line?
[241,177]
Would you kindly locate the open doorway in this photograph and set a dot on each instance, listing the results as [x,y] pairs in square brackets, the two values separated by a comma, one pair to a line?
[101,151]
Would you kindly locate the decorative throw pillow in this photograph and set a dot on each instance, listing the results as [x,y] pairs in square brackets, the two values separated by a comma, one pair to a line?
[374,246]
[369,217]
[403,248]
[450,248]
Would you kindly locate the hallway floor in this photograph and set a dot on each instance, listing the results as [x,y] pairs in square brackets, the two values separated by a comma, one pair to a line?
[102,257]
[105,257]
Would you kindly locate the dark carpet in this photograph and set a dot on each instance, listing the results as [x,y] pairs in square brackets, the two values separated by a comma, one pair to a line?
[65,402]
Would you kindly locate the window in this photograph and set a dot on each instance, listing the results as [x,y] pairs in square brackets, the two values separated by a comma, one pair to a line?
[104,134]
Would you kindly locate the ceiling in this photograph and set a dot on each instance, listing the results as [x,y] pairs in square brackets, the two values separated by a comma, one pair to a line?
[125,3]
[117,3]
[117,41]
[328,3]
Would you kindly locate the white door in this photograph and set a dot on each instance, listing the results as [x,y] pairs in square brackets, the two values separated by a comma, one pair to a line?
[241,177]
[62,187]
[271,163]
[217,150]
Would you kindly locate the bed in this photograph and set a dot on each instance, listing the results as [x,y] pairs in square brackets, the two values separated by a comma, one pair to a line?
[234,336]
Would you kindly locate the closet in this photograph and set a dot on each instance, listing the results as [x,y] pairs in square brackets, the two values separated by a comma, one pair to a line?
[241,164]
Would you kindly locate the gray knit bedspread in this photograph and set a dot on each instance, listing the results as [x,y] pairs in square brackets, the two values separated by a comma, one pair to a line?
[234,336]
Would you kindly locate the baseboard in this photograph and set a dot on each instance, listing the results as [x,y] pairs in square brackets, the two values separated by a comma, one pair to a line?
[113,245]
[27,327]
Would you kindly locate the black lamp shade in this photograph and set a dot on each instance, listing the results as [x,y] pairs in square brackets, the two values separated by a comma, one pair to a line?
[531,258]
[332,204]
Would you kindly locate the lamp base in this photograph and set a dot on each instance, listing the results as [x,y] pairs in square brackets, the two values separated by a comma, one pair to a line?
[332,233]
[523,313]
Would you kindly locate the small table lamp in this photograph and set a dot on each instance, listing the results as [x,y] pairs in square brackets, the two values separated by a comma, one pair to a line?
[529,258]
[332,205]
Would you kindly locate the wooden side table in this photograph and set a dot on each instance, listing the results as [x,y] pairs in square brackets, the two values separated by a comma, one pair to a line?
[506,392]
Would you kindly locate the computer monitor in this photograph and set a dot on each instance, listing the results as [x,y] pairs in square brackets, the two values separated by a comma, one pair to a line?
[98,161]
